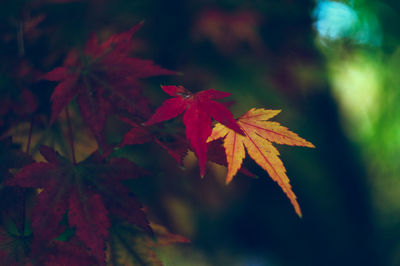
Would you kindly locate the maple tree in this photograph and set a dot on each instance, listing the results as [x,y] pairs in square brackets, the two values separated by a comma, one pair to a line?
[69,212]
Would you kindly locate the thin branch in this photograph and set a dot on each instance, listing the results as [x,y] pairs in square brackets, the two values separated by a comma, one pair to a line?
[20,38]
[28,145]
[23,190]
[23,211]
[70,135]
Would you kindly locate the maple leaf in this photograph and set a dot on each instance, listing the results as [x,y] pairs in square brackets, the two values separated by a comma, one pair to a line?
[129,246]
[174,144]
[259,133]
[88,192]
[105,78]
[71,253]
[199,108]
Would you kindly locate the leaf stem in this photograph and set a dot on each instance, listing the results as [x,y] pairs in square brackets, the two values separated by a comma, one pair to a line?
[23,211]
[20,38]
[23,190]
[70,135]
[28,145]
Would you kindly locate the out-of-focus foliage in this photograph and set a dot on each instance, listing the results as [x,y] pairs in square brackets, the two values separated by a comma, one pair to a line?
[361,46]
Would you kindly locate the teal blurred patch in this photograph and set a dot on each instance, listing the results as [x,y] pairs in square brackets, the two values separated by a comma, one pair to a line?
[336,20]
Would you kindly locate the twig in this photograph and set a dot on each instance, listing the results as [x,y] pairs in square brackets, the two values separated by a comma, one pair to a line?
[70,135]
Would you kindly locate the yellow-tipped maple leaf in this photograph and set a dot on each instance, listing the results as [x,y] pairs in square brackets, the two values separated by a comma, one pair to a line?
[258,138]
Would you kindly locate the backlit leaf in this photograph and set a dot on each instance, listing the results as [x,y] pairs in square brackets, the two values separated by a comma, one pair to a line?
[258,138]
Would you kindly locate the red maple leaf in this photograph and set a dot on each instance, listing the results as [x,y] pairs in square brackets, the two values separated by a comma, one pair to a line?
[103,79]
[89,192]
[70,253]
[199,108]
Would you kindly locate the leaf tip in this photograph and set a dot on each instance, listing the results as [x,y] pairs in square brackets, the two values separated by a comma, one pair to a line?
[299,214]
[202,172]
[307,144]
[297,209]
[310,145]
[228,180]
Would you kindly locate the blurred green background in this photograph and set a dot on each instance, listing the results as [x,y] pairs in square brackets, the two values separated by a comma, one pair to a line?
[331,66]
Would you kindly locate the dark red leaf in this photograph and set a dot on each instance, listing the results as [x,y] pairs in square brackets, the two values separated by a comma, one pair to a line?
[94,110]
[169,109]
[174,144]
[89,216]
[57,74]
[70,253]
[105,79]
[62,95]
[137,135]
[51,205]
[89,192]
[174,90]
[50,155]
[39,171]
[177,148]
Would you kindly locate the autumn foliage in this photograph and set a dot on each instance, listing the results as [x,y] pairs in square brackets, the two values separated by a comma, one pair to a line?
[66,211]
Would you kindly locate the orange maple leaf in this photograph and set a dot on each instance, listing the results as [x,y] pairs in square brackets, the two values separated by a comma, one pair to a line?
[259,134]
